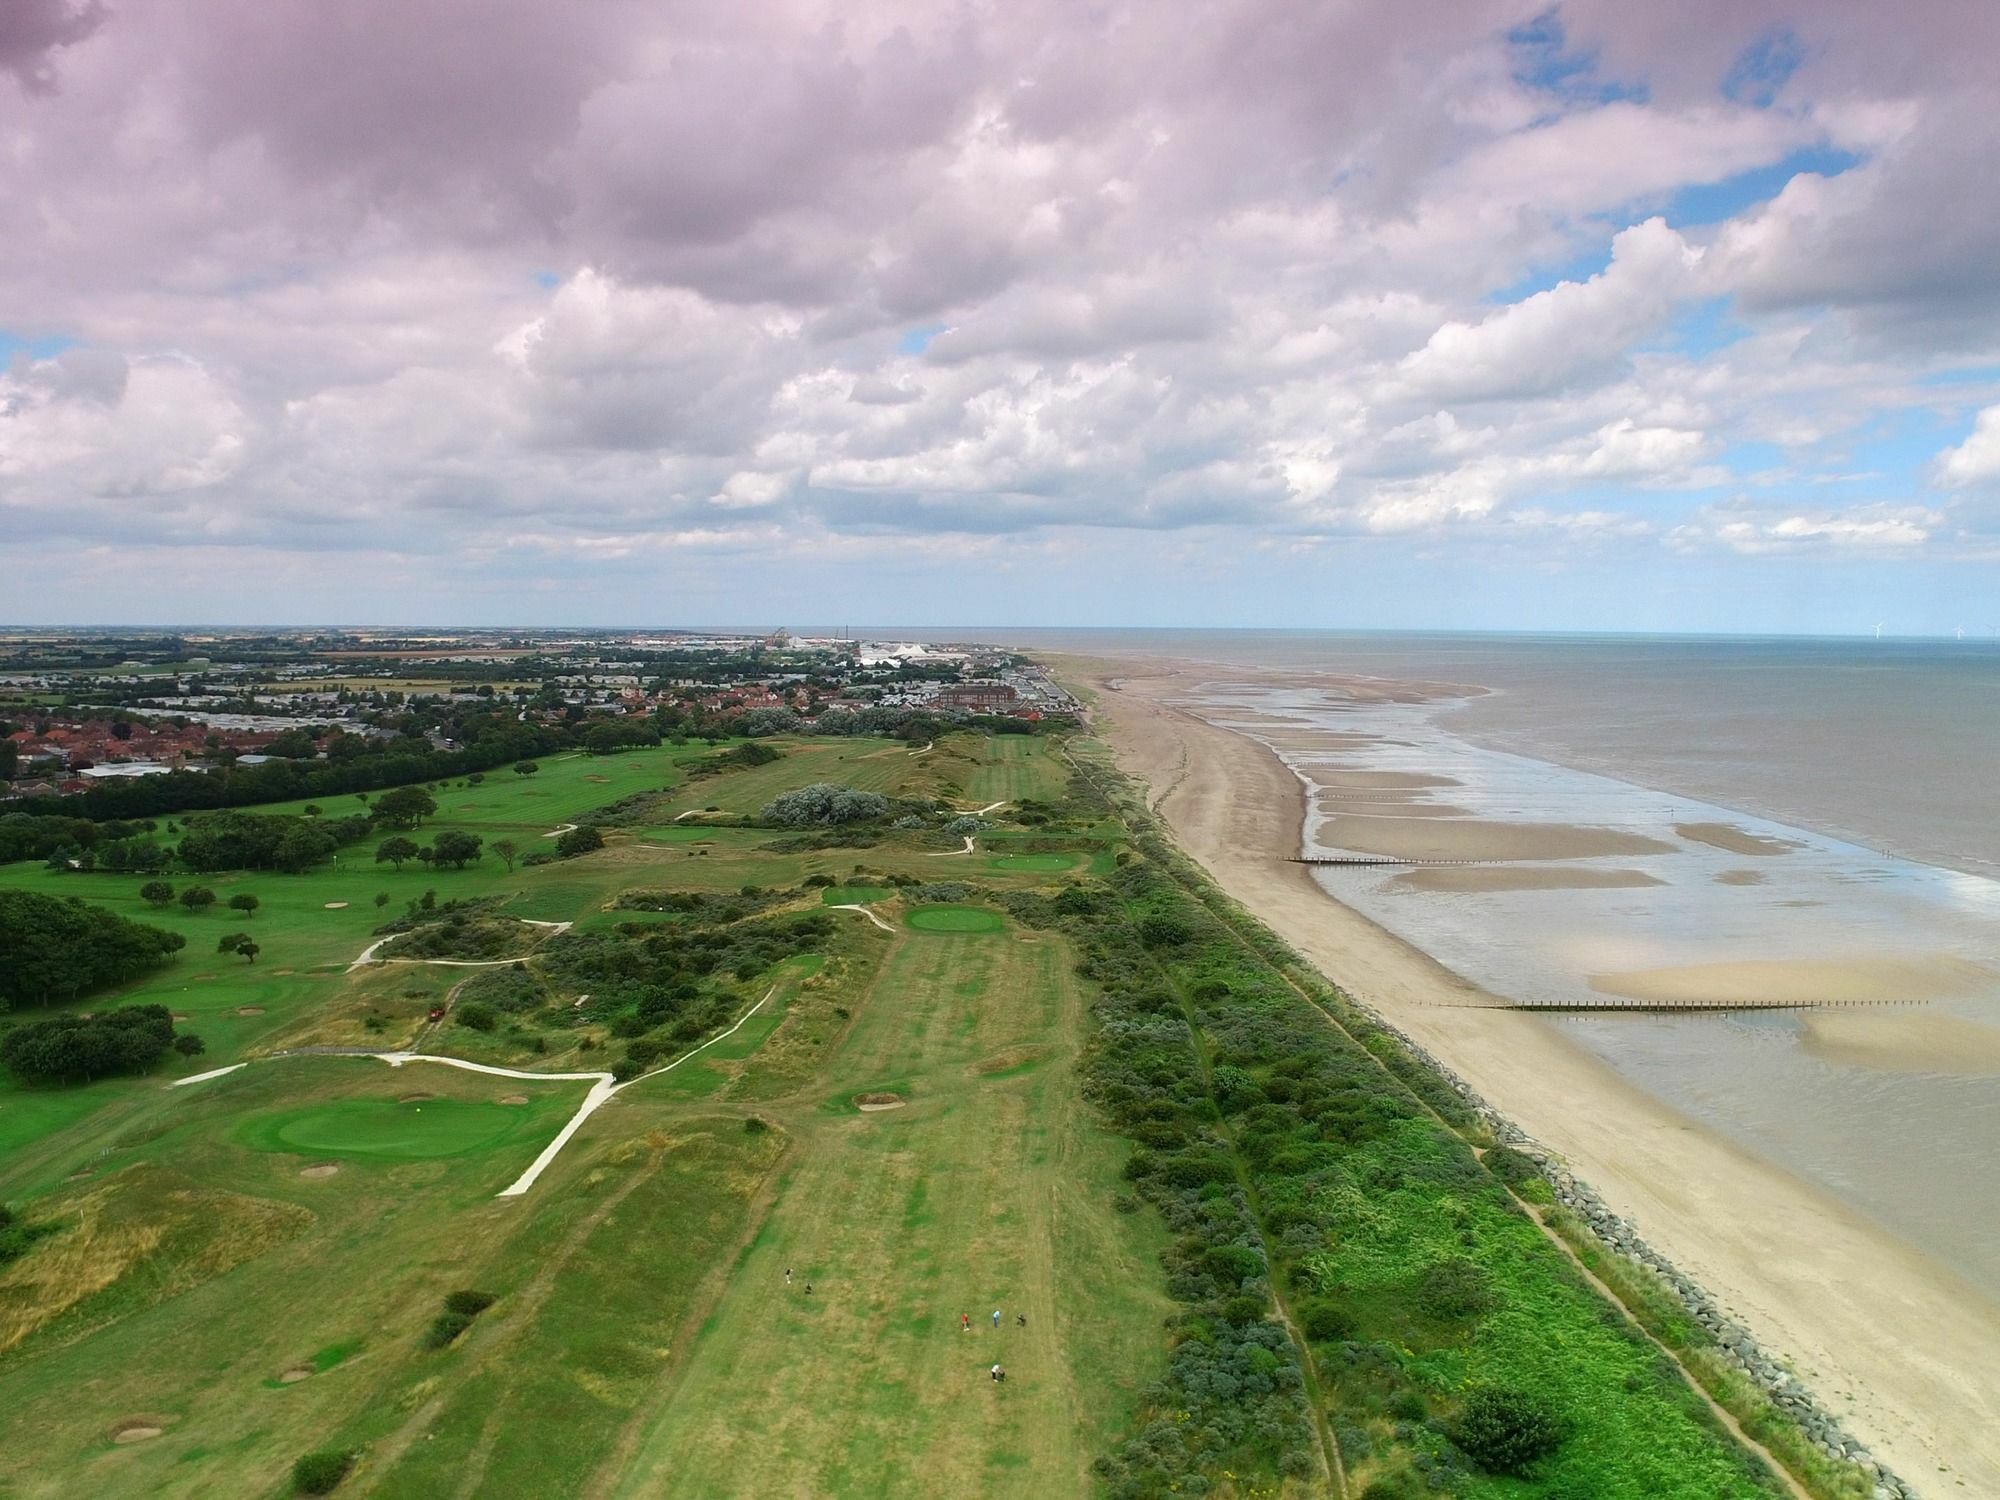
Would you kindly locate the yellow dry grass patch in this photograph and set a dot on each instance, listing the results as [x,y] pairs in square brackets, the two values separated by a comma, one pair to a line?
[146,1222]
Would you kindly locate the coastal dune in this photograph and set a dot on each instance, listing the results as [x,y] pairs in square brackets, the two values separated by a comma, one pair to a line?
[1899,1346]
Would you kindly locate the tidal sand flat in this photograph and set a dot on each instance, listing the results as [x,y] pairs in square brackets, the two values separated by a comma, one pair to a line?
[1912,1041]
[1857,979]
[1727,836]
[1478,838]
[1524,878]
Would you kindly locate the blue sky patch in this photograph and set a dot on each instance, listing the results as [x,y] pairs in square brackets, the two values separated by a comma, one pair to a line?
[918,339]
[46,346]
[1542,61]
[1712,202]
[1764,67]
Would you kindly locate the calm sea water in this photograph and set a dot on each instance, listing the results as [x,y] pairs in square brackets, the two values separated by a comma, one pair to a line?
[1874,759]
[1891,744]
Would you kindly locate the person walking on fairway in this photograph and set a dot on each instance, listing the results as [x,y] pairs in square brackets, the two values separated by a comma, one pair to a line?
[965,1322]
[788,1275]
[998,1373]
[996,1317]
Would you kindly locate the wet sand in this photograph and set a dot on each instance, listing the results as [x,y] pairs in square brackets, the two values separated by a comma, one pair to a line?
[1904,1041]
[1859,979]
[1733,840]
[1474,838]
[1901,1347]
[1504,878]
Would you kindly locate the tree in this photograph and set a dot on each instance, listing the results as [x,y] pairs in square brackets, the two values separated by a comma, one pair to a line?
[525,768]
[244,902]
[580,840]
[55,948]
[189,1045]
[824,803]
[395,851]
[405,807]
[455,849]
[158,892]
[508,850]
[301,848]
[381,898]
[10,759]
[197,898]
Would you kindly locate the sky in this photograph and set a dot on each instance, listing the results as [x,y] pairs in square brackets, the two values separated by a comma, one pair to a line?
[1230,312]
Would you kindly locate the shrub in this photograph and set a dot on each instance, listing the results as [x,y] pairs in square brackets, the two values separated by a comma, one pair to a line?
[469,1303]
[1504,1430]
[476,1016]
[320,1473]
[1454,1289]
[579,840]
[445,1327]
[1512,1167]
[1323,1321]
[755,1125]
[823,804]
[189,1045]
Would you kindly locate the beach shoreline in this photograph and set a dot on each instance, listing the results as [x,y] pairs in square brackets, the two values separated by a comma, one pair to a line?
[1894,1344]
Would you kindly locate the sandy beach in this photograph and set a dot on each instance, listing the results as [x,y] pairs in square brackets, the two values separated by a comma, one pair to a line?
[1900,1346]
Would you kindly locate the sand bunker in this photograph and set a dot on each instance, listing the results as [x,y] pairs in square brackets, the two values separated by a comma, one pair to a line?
[295,1374]
[336,906]
[513,1098]
[870,1103]
[1905,1042]
[138,1429]
[1514,878]
[249,1010]
[323,1169]
[416,1098]
[1803,981]
[1473,838]
[1740,877]
[1733,840]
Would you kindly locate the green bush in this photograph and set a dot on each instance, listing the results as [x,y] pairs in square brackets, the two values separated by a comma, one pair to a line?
[476,1016]
[1454,1289]
[1324,1322]
[468,1303]
[445,1328]
[1512,1167]
[320,1473]
[1505,1430]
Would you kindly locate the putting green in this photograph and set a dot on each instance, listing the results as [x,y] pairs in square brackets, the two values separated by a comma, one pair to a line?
[853,895]
[387,1129]
[955,919]
[1043,862]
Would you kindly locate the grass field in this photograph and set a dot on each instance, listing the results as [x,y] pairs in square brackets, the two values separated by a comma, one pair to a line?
[288,1230]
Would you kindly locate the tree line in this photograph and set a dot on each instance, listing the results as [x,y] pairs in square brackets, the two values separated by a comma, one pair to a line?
[56,948]
[79,1049]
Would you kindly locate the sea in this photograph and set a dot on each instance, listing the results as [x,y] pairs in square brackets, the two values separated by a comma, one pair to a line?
[1850,792]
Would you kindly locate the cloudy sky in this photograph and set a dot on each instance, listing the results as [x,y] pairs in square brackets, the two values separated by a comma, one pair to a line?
[1264,312]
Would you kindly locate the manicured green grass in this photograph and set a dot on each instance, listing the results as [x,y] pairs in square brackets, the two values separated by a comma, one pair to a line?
[954,919]
[391,1130]
[854,895]
[1039,863]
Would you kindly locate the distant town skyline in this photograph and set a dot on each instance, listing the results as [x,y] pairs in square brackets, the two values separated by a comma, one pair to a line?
[1503,316]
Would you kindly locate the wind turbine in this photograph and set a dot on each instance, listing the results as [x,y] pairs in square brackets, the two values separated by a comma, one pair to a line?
[1878,630]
